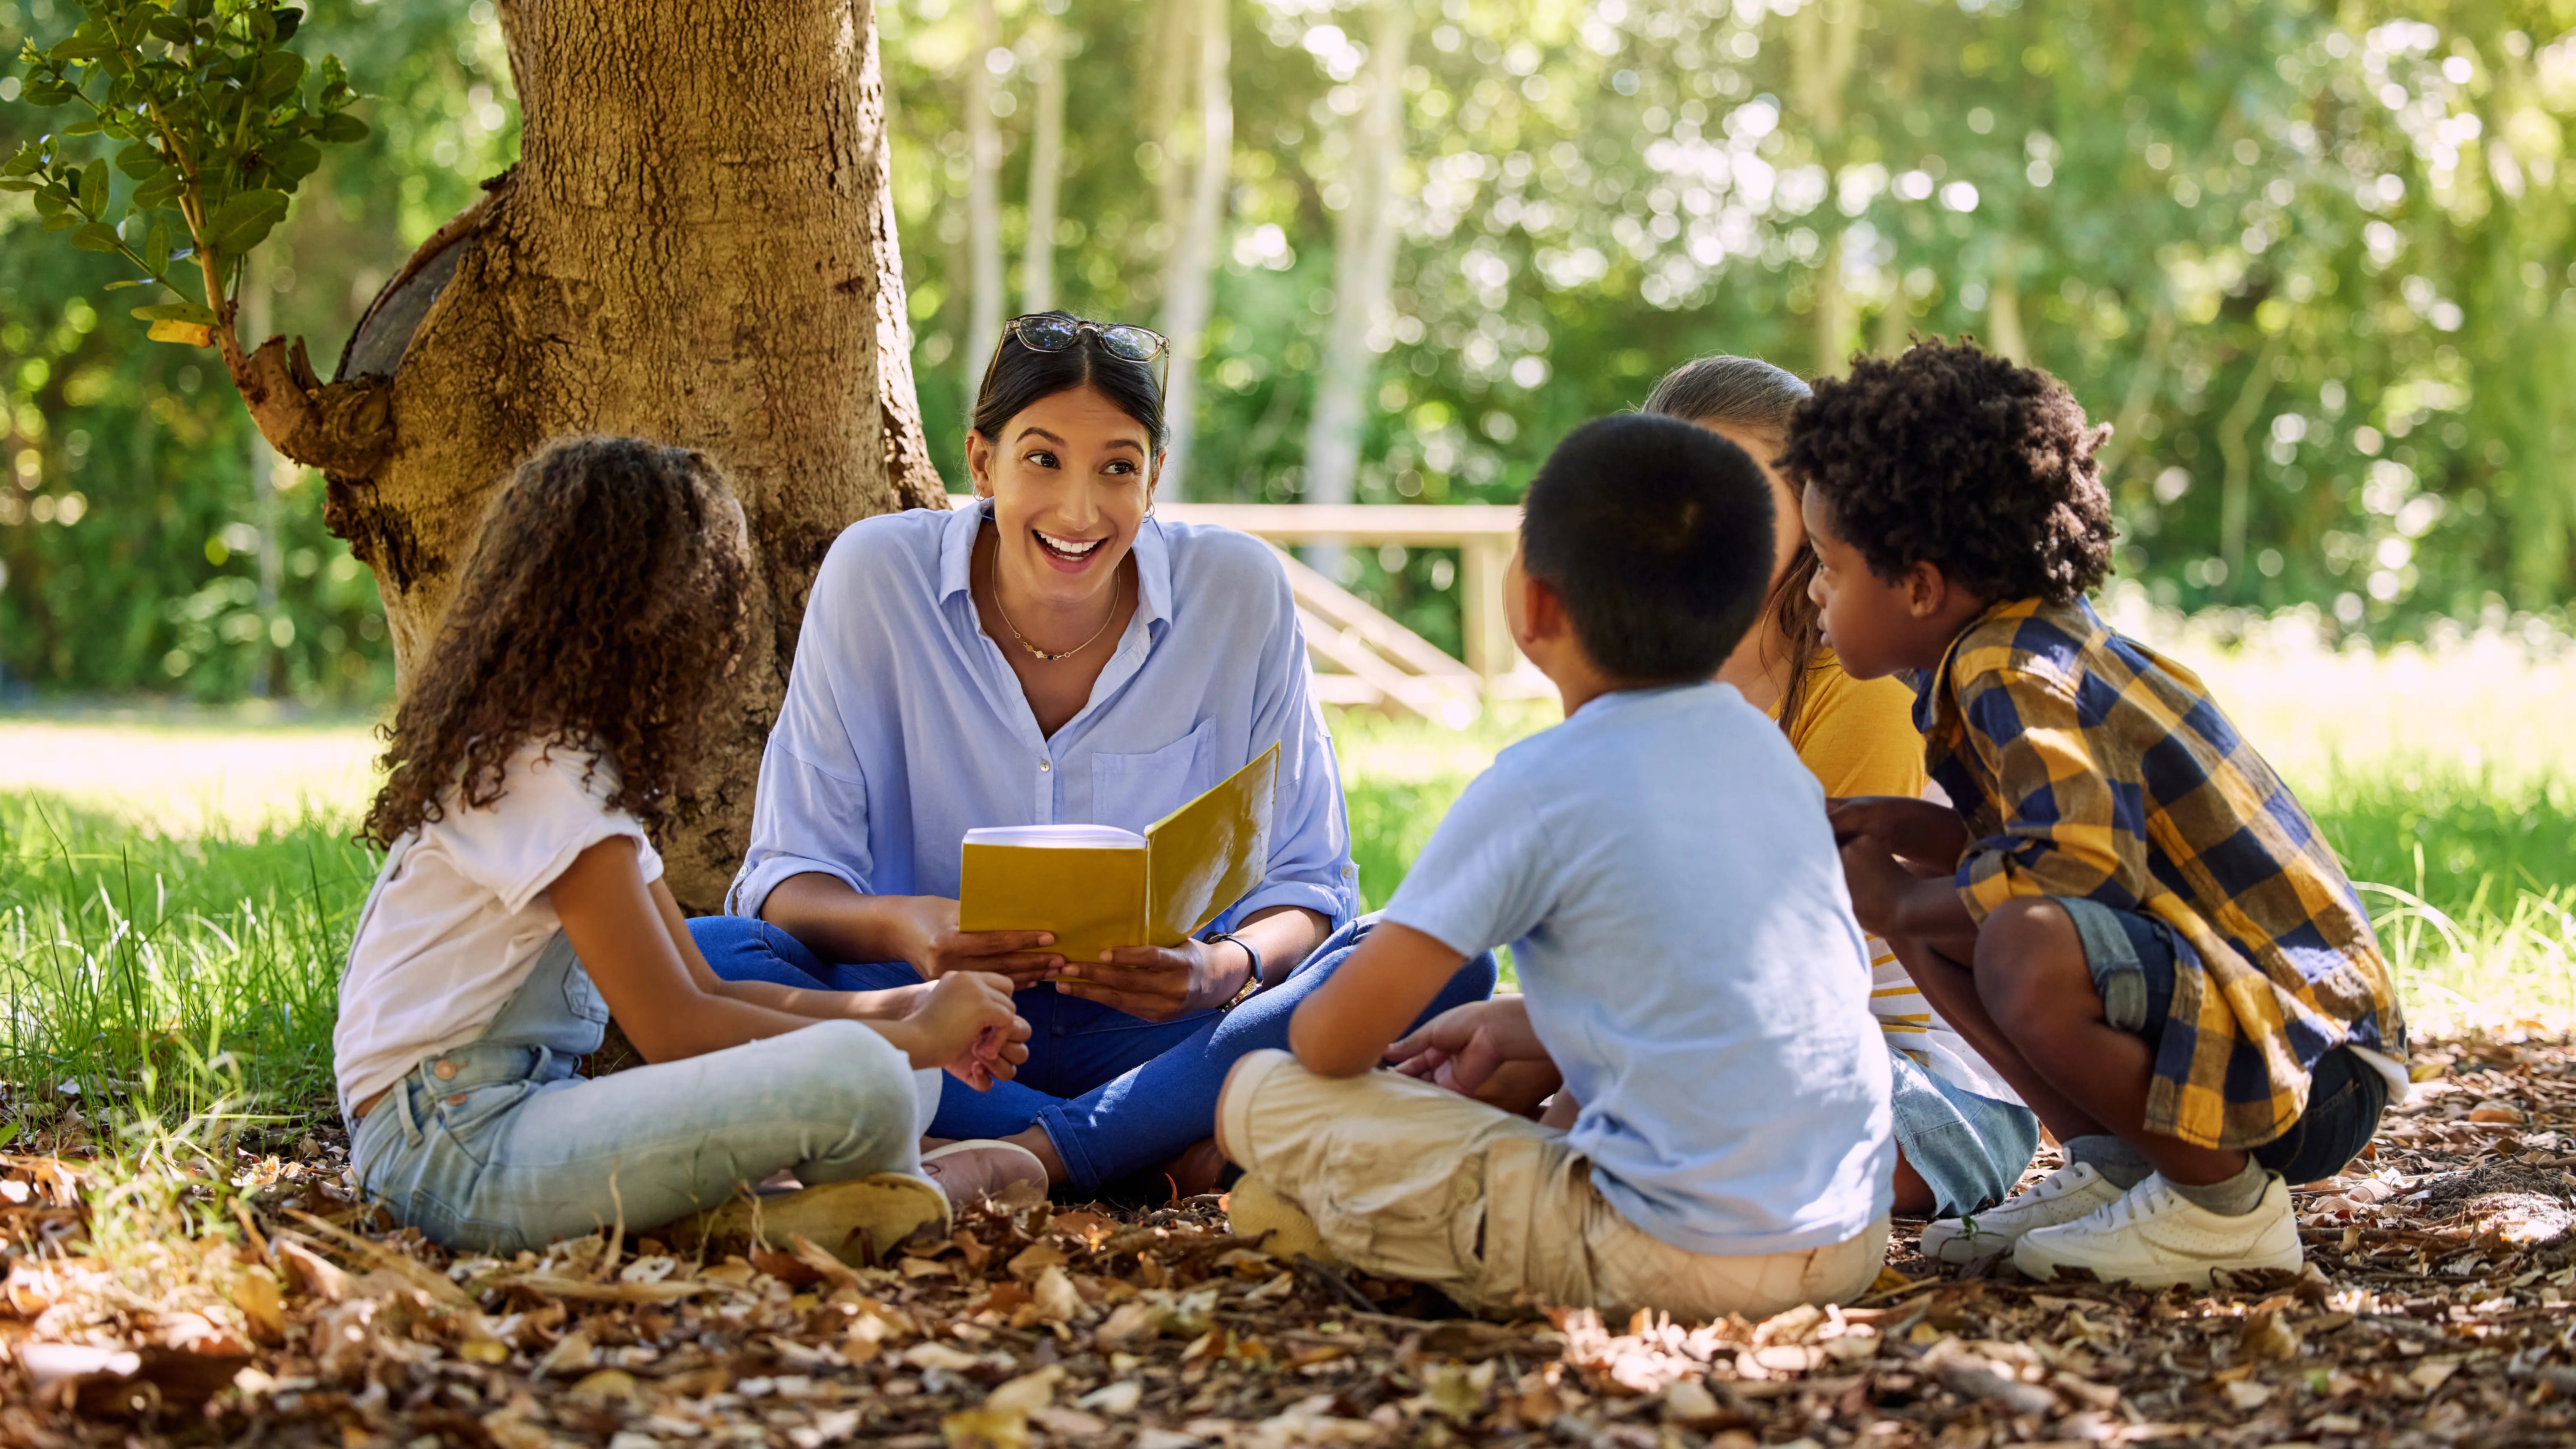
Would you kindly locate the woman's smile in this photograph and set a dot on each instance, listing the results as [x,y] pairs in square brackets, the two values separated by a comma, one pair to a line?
[1072,555]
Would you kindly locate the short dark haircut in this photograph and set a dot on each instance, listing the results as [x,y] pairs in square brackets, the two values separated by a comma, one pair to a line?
[1952,456]
[1021,377]
[1656,536]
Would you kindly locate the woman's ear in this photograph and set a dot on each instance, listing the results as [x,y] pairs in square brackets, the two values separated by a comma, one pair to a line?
[979,463]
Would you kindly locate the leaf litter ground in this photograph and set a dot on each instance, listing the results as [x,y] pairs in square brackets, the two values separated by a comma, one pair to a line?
[2439,1307]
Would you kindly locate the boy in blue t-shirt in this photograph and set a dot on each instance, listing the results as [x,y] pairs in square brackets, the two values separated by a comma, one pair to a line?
[1662,867]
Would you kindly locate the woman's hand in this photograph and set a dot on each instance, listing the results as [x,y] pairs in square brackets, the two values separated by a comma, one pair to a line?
[1463,1047]
[1161,983]
[926,930]
[1916,830]
[967,1025]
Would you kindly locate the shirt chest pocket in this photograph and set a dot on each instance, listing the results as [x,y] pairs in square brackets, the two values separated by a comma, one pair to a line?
[1133,791]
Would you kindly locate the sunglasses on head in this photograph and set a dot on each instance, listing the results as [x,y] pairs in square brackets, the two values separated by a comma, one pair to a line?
[1054,332]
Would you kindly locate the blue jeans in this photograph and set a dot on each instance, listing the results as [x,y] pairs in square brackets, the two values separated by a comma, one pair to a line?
[1116,1093]
[1968,1148]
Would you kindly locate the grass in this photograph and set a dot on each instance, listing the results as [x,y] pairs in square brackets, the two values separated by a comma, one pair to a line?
[174,911]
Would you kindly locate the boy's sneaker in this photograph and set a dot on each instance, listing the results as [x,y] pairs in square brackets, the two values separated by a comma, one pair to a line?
[1256,1210]
[860,1222]
[2061,1197]
[2154,1237]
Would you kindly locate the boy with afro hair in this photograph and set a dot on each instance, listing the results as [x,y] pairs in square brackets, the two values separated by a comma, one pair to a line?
[2123,909]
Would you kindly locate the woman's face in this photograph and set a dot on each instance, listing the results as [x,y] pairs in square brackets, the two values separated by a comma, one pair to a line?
[1786,531]
[1070,478]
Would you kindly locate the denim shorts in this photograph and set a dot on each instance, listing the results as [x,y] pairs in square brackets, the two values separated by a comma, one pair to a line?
[2131,956]
[1968,1148]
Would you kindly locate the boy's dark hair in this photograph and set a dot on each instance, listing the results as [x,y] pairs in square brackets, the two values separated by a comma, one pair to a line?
[1656,535]
[1020,376]
[1952,456]
[602,602]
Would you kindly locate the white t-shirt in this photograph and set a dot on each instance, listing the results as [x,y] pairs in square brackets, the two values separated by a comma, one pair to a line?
[456,925]
[1661,866]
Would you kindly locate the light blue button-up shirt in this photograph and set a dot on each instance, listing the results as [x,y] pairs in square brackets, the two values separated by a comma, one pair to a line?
[904,727]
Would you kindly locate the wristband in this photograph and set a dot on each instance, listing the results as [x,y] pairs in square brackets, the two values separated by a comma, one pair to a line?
[1251,983]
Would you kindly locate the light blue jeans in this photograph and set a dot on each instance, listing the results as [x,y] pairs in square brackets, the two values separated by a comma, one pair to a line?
[496,1146]
[1968,1148]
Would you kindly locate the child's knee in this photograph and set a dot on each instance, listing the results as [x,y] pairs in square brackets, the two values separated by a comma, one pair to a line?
[2030,964]
[1236,1079]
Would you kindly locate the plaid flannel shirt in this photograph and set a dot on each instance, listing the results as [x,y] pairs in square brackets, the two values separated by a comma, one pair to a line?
[2087,765]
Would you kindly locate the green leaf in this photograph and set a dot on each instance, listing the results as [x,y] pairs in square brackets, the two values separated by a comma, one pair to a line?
[171,28]
[341,128]
[93,187]
[85,126]
[123,283]
[78,49]
[142,160]
[95,237]
[161,190]
[196,312]
[51,203]
[280,72]
[24,163]
[292,161]
[243,221]
[44,91]
[19,183]
[156,250]
[287,20]
[62,221]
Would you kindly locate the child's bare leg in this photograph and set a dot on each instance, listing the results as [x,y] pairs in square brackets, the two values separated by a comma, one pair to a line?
[2036,990]
[1952,990]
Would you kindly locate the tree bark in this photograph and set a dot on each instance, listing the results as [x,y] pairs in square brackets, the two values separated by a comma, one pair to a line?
[697,246]
[1826,46]
[1188,294]
[1364,246]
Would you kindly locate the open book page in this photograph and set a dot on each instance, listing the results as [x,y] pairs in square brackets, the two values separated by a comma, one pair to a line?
[1058,837]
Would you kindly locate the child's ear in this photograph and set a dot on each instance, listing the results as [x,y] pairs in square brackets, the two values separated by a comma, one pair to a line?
[979,463]
[1542,614]
[1927,590]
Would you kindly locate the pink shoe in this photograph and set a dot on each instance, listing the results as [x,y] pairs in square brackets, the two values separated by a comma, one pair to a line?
[980,1168]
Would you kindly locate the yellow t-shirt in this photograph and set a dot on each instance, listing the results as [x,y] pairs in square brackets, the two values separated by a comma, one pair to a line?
[1857,737]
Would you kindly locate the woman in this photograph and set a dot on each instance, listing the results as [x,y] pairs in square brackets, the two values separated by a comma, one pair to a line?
[1962,1136]
[1053,654]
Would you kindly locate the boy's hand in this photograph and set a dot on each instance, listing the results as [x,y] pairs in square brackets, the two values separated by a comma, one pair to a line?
[966,1024]
[1877,882]
[1917,830]
[1460,1048]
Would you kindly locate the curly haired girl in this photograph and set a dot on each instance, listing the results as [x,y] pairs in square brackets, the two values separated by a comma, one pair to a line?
[521,907]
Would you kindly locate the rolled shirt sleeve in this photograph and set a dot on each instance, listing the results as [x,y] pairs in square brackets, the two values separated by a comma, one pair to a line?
[2061,813]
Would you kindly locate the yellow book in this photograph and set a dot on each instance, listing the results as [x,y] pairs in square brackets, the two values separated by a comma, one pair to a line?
[1098,887]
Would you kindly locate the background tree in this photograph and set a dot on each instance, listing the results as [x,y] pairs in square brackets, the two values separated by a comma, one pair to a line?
[696,245]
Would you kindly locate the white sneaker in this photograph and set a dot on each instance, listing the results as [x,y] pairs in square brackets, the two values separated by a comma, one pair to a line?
[968,1172]
[2061,1197]
[2154,1237]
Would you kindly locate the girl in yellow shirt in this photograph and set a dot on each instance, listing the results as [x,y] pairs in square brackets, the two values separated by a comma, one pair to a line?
[1962,1137]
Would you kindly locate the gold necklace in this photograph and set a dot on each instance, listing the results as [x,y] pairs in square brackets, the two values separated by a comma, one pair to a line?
[1116,582]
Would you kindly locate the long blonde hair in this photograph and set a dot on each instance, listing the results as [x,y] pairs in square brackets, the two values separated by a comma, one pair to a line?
[1749,394]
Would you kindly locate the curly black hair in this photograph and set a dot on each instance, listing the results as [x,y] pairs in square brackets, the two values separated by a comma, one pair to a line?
[1952,456]
[604,596]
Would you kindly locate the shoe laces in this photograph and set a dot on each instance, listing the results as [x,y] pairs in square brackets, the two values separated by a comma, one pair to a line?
[2148,1199]
[2057,1184]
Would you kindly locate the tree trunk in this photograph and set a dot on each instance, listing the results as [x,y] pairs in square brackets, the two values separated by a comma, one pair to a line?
[1187,295]
[1826,45]
[983,205]
[697,246]
[1053,46]
[1364,244]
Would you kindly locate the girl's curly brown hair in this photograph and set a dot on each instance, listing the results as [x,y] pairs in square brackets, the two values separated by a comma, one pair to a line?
[603,598]
[1950,455]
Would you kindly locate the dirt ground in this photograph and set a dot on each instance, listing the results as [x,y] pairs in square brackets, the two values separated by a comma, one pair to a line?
[2437,1309]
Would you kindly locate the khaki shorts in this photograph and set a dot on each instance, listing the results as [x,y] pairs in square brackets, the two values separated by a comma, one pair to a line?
[1408,1180]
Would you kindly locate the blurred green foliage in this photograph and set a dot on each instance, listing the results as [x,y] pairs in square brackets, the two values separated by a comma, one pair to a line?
[2315,258]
